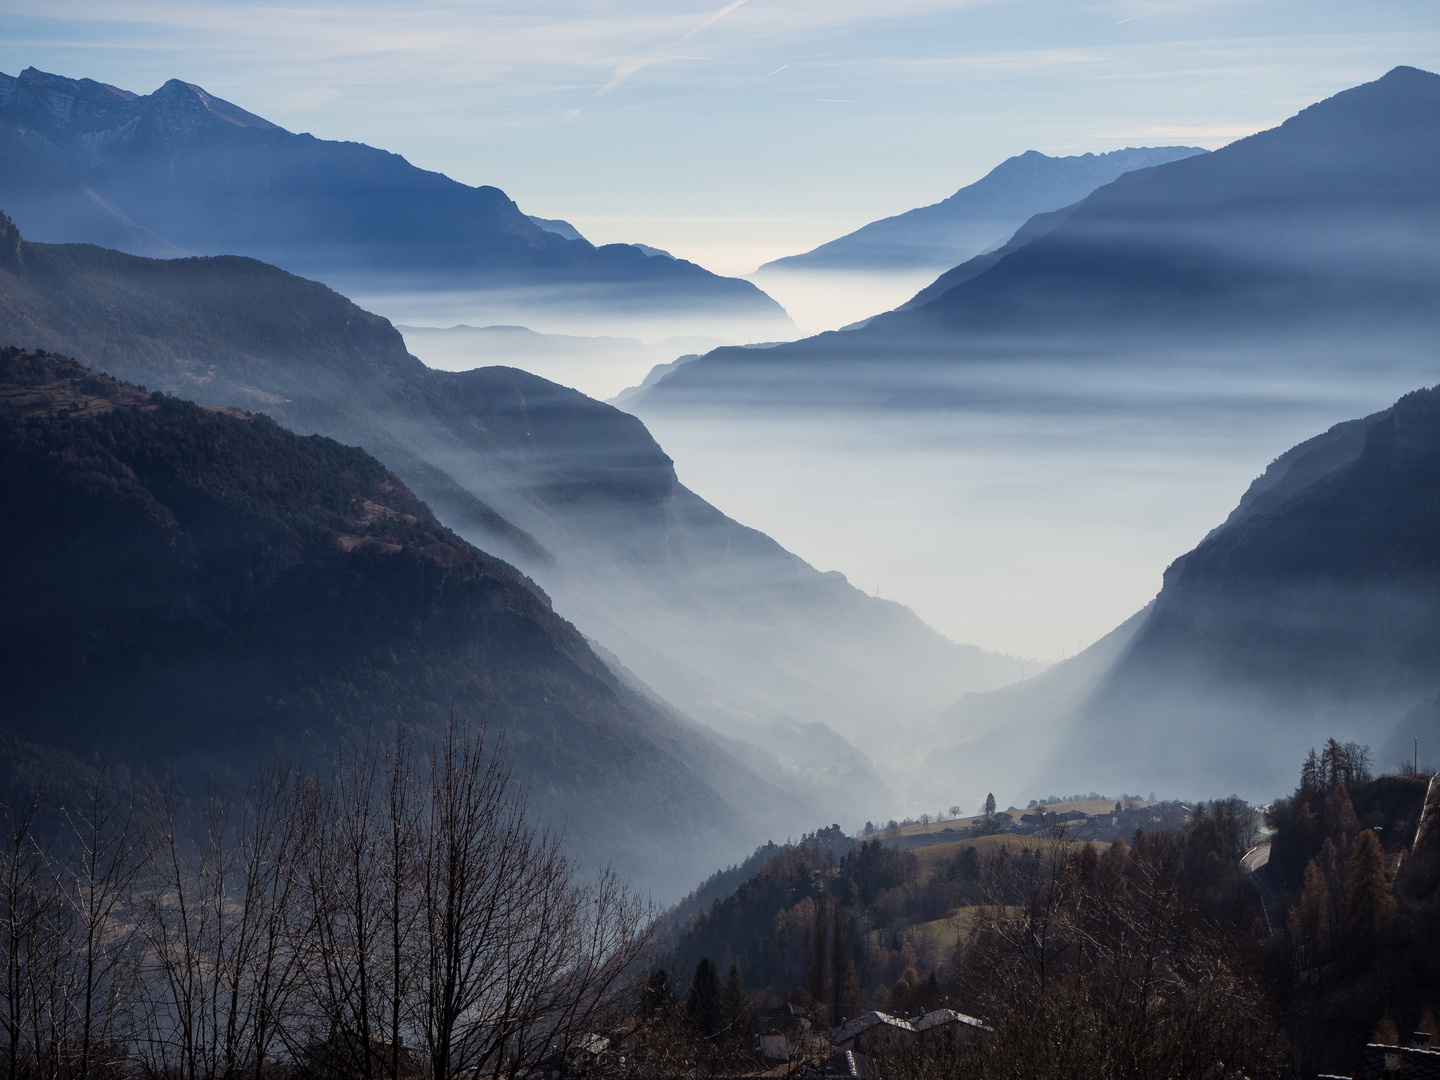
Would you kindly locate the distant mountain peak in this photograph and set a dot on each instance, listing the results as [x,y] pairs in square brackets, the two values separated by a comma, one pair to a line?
[45,81]
[185,93]
[980,215]
[180,170]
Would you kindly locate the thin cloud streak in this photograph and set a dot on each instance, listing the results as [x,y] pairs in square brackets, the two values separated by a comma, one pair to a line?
[624,73]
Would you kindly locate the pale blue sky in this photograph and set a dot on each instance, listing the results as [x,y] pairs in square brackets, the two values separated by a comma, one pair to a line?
[728,132]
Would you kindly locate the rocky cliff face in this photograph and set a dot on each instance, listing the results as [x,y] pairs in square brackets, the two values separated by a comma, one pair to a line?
[196,590]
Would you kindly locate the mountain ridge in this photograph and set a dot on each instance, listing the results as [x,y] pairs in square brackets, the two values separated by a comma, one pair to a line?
[198,589]
[978,215]
[180,171]
[1318,230]
[718,619]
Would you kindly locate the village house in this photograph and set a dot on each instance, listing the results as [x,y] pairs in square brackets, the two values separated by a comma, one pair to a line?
[858,1040]
[1418,1061]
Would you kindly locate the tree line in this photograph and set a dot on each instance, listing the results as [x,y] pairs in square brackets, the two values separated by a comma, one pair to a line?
[396,913]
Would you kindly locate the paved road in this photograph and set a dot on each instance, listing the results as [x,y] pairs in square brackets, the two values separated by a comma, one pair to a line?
[1255,858]
[1256,863]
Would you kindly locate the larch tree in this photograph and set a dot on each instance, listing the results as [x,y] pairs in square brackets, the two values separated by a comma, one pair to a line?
[1368,899]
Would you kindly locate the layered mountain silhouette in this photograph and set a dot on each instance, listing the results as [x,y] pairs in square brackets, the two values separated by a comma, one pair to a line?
[180,171]
[192,589]
[978,216]
[715,617]
[1312,612]
[1324,228]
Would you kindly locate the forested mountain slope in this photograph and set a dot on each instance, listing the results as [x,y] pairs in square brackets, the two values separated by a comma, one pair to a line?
[717,617]
[198,590]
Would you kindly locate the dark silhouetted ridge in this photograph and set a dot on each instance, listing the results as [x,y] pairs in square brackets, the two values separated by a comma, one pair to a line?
[198,589]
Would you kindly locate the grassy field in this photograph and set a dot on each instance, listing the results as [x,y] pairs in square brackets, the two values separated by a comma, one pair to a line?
[931,857]
[934,940]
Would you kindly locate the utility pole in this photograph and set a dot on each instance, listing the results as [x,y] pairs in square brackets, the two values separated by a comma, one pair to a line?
[1417,753]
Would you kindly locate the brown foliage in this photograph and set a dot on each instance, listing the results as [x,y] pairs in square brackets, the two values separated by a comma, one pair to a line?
[1105,967]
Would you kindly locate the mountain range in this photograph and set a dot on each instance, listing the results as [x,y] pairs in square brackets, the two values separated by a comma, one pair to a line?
[978,216]
[196,590]
[180,171]
[1305,257]
[715,618]
[1317,236]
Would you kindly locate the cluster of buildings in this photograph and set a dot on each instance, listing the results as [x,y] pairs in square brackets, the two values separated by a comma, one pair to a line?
[1418,1061]
[847,1050]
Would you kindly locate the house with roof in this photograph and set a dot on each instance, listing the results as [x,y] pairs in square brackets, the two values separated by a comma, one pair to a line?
[858,1040]
[946,1027]
[1418,1061]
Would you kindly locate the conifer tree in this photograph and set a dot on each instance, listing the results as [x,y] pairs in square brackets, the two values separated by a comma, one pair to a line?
[1339,821]
[1312,918]
[704,1005]
[817,950]
[1368,899]
[736,1005]
[844,982]
[1330,867]
[990,805]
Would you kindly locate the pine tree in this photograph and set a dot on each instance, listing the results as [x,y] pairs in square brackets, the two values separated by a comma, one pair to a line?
[990,805]
[1368,899]
[704,1005]
[736,1005]
[1329,862]
[1312,918]
[817,950]
[844,983]
[1338,820]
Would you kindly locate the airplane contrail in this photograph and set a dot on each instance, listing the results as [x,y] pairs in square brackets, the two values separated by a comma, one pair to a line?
[624,72]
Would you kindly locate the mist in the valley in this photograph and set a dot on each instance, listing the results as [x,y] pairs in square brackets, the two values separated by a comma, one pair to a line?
[597,366]
[820,300]
[1030,505]
[1021,505]
[866,560]
[581,310]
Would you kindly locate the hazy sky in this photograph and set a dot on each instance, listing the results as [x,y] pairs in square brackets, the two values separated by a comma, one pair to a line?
[737,131]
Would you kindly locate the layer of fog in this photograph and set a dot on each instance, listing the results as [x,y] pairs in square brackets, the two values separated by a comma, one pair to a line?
[632,310]
[597,366]
[827,300]
[1026,506]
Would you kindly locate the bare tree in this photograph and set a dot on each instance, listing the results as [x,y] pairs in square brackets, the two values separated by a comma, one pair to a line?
[212,909]
[397,914]
[518,957]
[1099,965]
[96,877]
[24,903]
